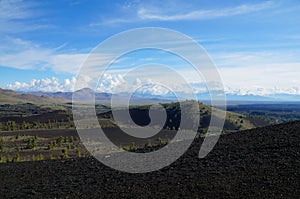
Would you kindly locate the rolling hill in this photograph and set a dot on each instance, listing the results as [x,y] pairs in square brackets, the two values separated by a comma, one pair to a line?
[233,121]
[13,97]
[140,115]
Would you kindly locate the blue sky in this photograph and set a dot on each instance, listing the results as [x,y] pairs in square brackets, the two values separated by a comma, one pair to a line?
[254,44]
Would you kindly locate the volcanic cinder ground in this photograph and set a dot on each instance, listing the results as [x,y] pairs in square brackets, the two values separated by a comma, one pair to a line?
[263,162]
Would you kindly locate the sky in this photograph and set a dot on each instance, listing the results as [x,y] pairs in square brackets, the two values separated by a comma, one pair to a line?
[255,45]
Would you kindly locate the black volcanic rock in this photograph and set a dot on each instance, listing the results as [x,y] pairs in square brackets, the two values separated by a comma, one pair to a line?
[258,163]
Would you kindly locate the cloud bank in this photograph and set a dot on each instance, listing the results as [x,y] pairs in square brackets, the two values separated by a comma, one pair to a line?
[46,85]
[117,84]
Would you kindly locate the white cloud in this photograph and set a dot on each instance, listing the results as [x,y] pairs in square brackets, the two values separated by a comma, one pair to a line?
[148,86]
[174,11]
[116,84]
[13,9]
[17,16]
[144,13]
[247,71]
[263,91]
[40,58]
[256,58]
[47,85]
[69,63]
[108,83]
[22,54]
[260,73]
[112,84]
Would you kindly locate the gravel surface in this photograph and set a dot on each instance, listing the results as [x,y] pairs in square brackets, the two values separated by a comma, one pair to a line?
[263,162]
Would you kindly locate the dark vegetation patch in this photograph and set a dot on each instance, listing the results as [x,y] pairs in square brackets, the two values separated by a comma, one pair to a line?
[266,114]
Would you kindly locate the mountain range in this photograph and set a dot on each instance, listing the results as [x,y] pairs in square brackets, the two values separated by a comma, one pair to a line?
[85,94]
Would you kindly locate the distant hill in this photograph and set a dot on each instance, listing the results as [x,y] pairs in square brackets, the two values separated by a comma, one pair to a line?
[139,114]
[86,94]
[13,97]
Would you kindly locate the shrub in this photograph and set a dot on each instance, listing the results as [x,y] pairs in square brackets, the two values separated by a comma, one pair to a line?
[11,126]
[8,158]
[168,140]
[2,159]
[163,141]
[2,144]
[148,144]
[66,140]
[54,143]
[160,140]
[50,125]
[40,157]
[37,158]
[52,157]
[19,148]
[64,154]
[60,140]
[72,139]
[126,148]
[132,147]
[16,158]
[25,125]
[50,146]
[31,143]
[78,152]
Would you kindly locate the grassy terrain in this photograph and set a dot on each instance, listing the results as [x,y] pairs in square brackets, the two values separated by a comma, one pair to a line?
[12,97]
[9,100]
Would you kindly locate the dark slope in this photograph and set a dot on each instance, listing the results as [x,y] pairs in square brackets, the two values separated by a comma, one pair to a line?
[262,163]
